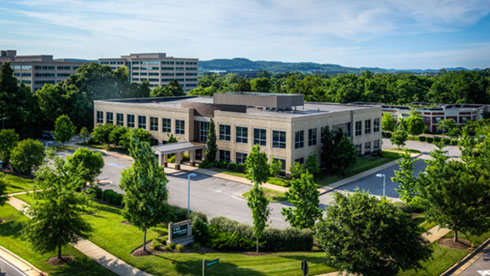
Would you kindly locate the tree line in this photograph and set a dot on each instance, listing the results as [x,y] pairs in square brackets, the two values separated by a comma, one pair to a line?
[403,88]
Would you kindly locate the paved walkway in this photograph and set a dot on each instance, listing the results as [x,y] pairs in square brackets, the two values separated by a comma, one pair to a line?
[91,250]
[19,263]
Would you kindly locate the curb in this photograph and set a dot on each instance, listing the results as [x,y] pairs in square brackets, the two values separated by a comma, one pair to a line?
[29,270]
[463,261]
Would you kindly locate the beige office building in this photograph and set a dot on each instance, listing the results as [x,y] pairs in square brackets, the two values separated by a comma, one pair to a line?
[284,126]
[158,69]
[36,70]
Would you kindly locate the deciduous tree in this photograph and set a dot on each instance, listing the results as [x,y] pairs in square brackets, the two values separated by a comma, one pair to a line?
[364,235]
[275,167]
[388,122]
[91,162]
[303,194]
[399,137]
[415,124]
[8,141]
[338,153]
[84,133]
[211,146]
[57,212]
[63,129]
[27,156]
[145,188]
[312,165]
[406,179]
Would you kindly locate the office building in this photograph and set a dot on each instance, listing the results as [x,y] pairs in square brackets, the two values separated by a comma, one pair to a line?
[284,126]
[36,70]
[158,69]
[434,113]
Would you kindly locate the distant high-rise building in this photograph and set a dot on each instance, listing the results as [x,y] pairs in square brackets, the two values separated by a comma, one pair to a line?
[36,70]
[157,69]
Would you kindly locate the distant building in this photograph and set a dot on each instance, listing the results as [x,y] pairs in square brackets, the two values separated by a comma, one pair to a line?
[284,126]
[433,114]
[157,69]
[36,70]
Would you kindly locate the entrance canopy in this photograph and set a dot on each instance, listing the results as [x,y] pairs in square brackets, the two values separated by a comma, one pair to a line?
[178,147]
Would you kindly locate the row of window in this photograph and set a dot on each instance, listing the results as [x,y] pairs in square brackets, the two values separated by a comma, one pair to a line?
[47,67]
[164,68]
[259,136]
[21,67]
[367,147]
[240,157]
[367,126]
[168,80]
[151,62]
[130,122]
[162,74]
[17,74]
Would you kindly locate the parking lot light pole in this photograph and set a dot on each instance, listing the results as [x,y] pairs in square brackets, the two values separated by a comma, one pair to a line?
[189,192]
[384,182]
[46,152]
[3,122]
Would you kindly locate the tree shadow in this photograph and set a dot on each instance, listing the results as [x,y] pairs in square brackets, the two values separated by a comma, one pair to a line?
[313,260]
[82,266]
[194,267]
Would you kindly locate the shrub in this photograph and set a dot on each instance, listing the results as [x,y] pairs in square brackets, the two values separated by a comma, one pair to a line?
[454,142]
[405,207]
[417,204]
[167,247]
[200,229]
[385,134]
[226,234]
[117,199]
[172,245]
[422,138]
[156,244]
[447,141]
[100,134]
[179,247]
[196,246]
[205,164]
[162,240]
[437,139]
[430,139]
[96,190]
[177,214]
[27,156]
[185,157]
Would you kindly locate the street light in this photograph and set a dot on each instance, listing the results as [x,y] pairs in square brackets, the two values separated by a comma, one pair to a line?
[47,143]
[3,122]
[189,192]
[384,182]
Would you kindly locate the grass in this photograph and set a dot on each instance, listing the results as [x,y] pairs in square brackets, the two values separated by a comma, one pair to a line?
[104,147]
[272,195]
[65,148]
[10,238]
[272,180]
[120,240]
[17,184]
[405,149]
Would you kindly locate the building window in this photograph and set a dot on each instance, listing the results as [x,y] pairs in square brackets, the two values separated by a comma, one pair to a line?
[367,126]
[100,117]
[224,132]
[359,148]
[349,129]
[166,125]
[311,136]
[240,158]
[109,118]
[324,130]
[224,155]
[130,120]
[241,134]
[278,139]
[203,131]
[154,123]
[153,142]
[300,160]
[142,122]
[376,125]
[260,136]
[179,127]
[299,139]
[283,163]
[358,128]
[367,147]
[119,119]
[376,145]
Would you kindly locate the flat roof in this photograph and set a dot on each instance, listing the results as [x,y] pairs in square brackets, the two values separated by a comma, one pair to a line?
[309,108]
[178,147]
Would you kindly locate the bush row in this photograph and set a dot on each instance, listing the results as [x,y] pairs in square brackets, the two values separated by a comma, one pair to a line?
[230,235]
[428,139]
[109,196]
[223,165]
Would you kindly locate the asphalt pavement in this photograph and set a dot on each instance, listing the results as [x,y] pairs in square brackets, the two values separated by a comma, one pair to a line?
[481,266]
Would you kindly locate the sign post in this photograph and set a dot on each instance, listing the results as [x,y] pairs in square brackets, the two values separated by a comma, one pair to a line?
[304,267]
[180,232]
[206,264]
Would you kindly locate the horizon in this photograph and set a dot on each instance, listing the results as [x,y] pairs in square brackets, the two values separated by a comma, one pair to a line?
[384,34]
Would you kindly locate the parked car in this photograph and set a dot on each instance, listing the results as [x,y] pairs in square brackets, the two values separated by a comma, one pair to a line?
[48,135]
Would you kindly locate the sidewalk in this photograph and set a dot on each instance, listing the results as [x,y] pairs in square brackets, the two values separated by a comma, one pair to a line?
[19,263]
[92,251]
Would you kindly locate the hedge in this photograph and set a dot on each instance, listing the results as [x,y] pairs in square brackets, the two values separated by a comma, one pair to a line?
[422,138]
[205,164]
[239,237]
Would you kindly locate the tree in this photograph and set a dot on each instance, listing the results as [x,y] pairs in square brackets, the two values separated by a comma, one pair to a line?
[388,122]
[303,194]
[27,156]
[92,162]
[117,134]
[275,167]
[415,124]
[84,134]
[399,137]
[171,89]
[450,127]
[100,133]
[243,85]
[405,178]
[262,84]
[364,235]
[457,194]
[257,171]
[211,147]
[63,129]
[312,165]
[8,141]
[57,212]
[296,170]
[3,192]
[338,153]
[145,188]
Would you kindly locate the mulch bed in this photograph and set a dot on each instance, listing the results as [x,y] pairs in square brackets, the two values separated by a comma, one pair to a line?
[460,244]
[415,215]
[126,222]
[1,220]
[62,261]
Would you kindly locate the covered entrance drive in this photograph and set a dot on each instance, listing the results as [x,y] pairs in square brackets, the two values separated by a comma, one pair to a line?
[178,149]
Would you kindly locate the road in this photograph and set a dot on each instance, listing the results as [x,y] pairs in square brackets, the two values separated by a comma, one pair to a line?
[7,269]
[218,197]
[481,266]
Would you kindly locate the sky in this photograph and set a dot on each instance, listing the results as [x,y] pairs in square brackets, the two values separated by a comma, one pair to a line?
[400,34]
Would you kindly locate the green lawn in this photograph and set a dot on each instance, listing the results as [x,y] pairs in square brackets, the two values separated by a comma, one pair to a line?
[104,147]
[402,150]
[16,183]
[270,194]
[65,148]
[120,240]
[10,239]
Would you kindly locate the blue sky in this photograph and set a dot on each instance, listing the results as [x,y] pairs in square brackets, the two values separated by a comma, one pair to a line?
[400,34]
